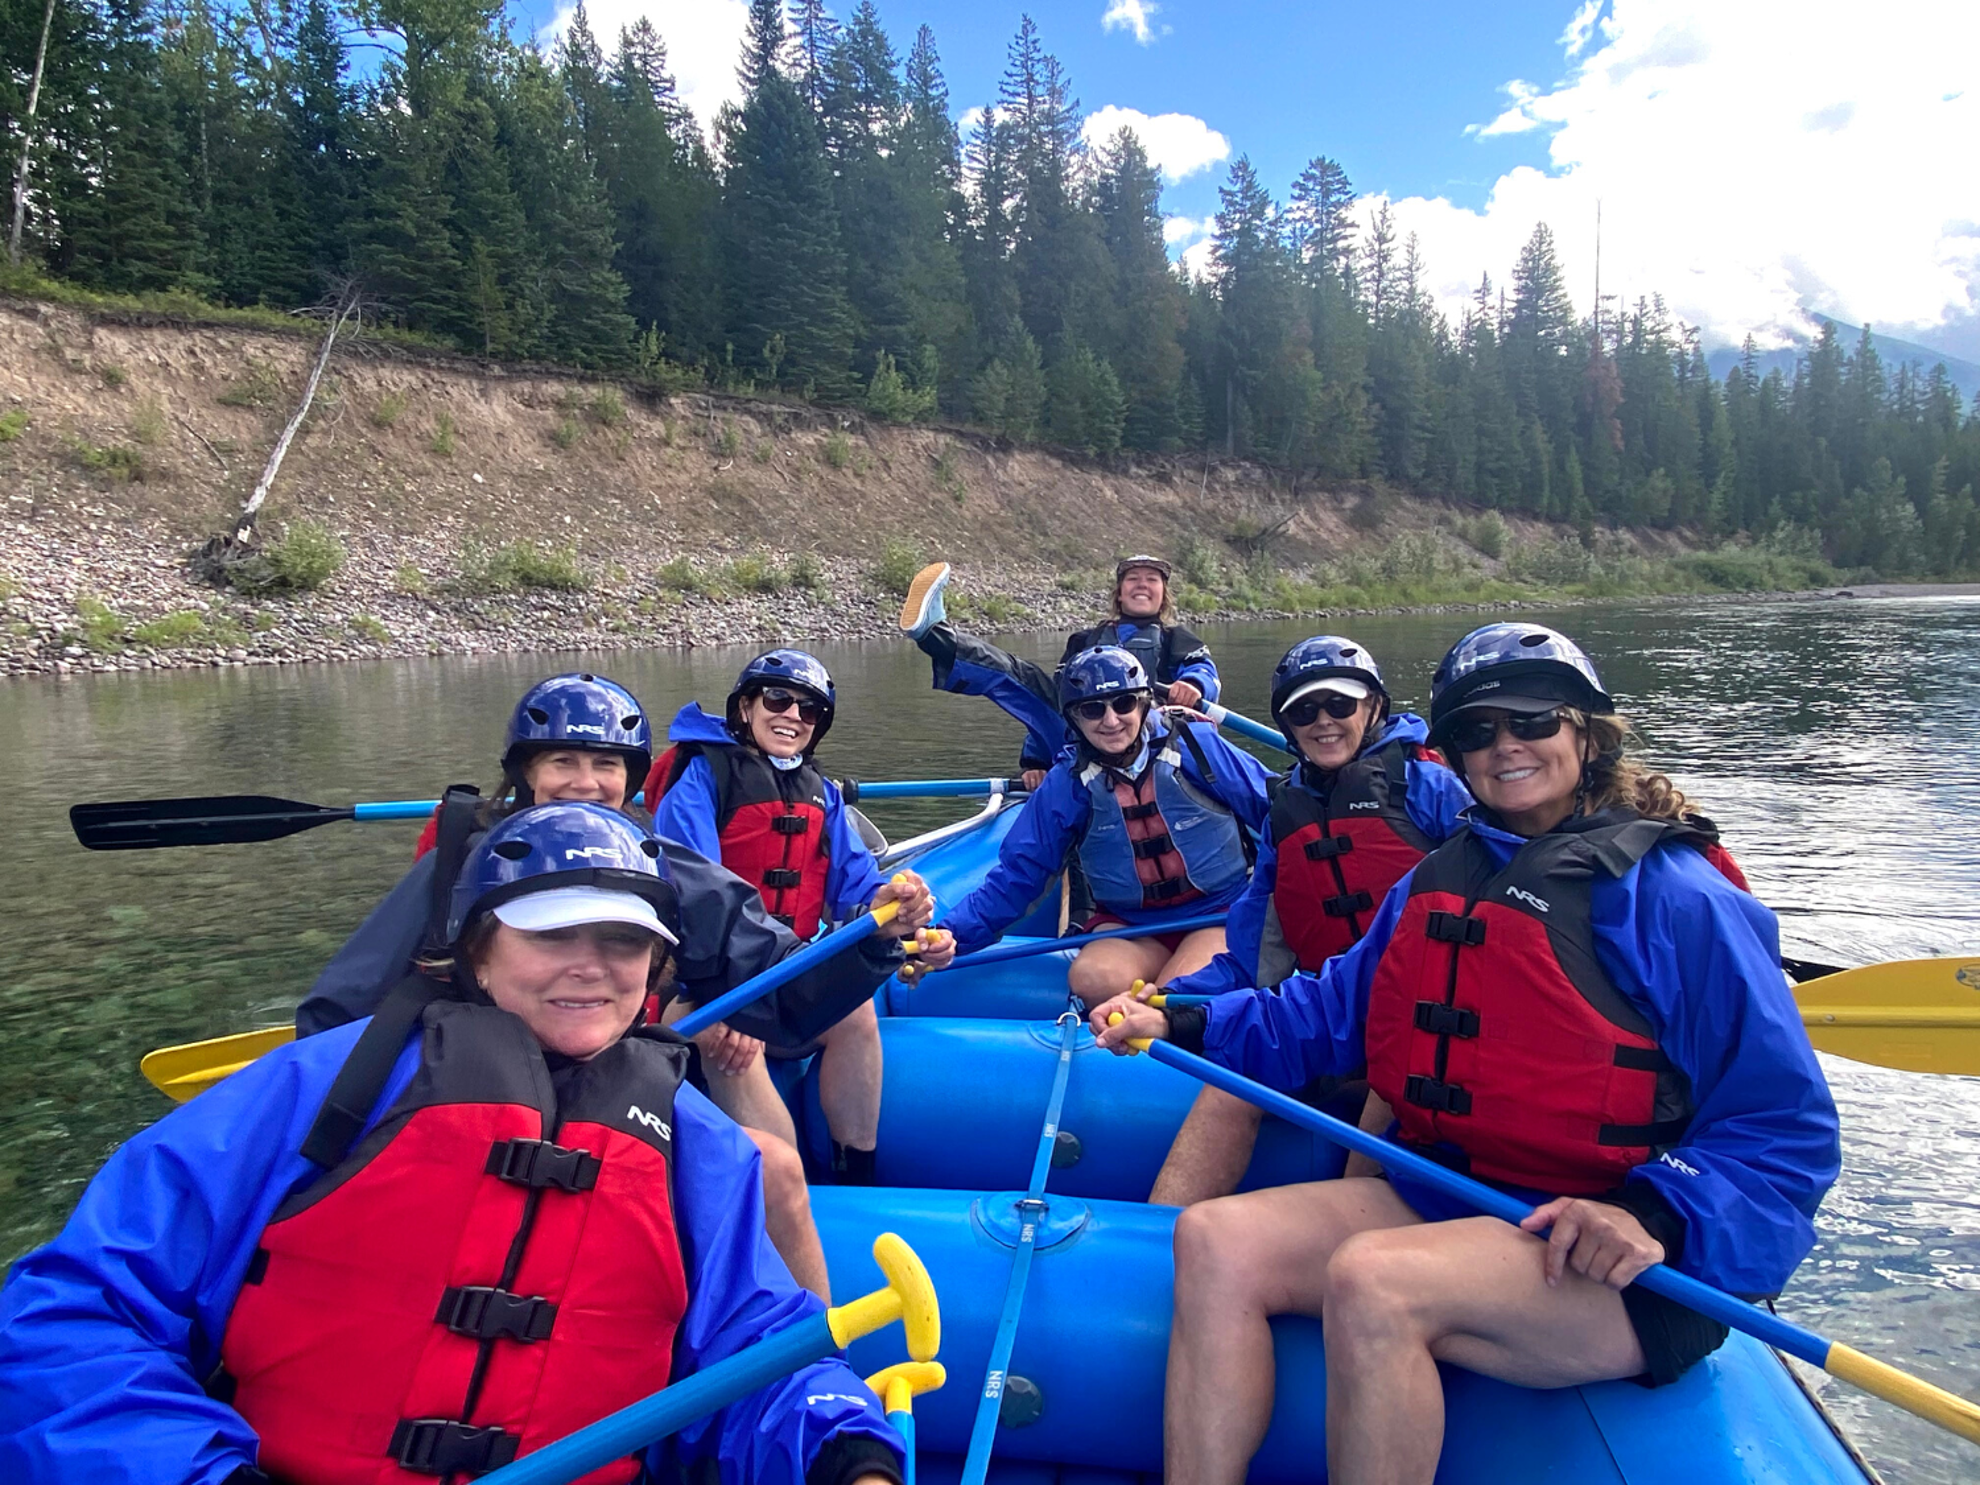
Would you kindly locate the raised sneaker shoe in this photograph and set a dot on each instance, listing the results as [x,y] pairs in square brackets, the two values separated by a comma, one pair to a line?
[921,610]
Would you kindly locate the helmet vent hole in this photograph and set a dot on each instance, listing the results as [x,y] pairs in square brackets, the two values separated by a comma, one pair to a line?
[1529,641]
[586,676]
[628,723]
[539,716]
[1348,652]
[511,850]
[651,847]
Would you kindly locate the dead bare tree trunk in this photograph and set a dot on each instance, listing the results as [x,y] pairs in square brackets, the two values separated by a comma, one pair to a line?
[27,139]
[348,304]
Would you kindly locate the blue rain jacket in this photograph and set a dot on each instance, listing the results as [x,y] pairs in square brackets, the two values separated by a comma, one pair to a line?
[106,1332]
[1435,801]
[1701,960]
[1055,819]
[688,810]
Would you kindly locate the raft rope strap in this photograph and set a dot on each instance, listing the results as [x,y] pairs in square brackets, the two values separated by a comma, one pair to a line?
[1031,1210]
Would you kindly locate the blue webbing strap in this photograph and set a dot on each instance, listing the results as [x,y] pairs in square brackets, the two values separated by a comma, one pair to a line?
[1031,1209]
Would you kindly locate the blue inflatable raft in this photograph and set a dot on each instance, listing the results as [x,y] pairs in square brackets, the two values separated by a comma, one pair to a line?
[971,1058]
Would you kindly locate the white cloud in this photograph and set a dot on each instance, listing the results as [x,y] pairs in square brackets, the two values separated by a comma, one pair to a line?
[704,42]
[1199,258]
[1134,16]
[1178,144]
[1748,168]
[1186,229]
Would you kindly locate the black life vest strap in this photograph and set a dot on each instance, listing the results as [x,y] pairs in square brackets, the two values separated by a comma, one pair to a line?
[1155,845]
[1642,1059]
[1663,1132]
[458,809]
[362,1078]
[1244,831]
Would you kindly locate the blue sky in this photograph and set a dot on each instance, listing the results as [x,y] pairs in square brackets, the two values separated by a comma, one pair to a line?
[1752,161]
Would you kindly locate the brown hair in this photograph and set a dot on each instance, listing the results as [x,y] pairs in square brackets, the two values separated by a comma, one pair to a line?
[1614,779]
[1166,617]
[475,939]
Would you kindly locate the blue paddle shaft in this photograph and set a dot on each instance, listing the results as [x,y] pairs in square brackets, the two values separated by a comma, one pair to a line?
[419,809]
[1079,940]
[1223,716]
[904,1425]
[780,973]
[1692,1293]
[395,809]
[673,1408]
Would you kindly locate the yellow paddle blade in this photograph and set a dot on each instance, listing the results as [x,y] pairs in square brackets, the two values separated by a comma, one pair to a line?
[1915,1015]
[182,1072]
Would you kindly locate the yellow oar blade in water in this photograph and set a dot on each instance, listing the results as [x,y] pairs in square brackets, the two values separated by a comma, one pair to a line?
[181,1072]
[1915,1015]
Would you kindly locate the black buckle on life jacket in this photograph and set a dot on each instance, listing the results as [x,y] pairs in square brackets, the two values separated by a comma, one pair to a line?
[1430,1093]
[443,1446]
[538,1163]
[1164,890]
[485,1313]
[782,876]
[1439,1019]
[790,824]
[1347,904]
[1140,811]
[1456,928]
[1155,845]
[1328,847]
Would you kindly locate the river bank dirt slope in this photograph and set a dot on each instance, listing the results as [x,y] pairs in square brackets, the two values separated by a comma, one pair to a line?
[485,507]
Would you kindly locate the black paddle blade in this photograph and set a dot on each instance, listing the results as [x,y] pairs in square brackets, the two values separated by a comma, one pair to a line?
[1801,971]
[219,820]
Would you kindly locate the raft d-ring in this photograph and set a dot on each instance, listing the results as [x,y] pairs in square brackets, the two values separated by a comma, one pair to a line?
[896,1386]
[909,1298]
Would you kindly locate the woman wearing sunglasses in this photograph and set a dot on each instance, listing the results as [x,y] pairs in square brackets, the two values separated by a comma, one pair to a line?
[1162,814]
[582,738]
[1364,803]
[1568,1000]
[744,790]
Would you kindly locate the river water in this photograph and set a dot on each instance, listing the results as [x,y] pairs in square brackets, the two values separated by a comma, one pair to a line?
[1830,741]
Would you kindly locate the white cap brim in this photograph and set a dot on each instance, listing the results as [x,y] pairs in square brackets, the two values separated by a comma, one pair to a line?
[572,907]
[1345,685]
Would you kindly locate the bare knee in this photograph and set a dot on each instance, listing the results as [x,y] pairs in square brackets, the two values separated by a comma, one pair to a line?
[1207,1243]
[1369,1287]
[784,1190]
[1093,979]
[861,1025]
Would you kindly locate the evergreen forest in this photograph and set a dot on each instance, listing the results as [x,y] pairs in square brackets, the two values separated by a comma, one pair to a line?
[836,237]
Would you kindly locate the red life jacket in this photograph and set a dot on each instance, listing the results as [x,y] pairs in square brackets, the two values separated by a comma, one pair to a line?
[488,1269]
[1492,1026]
[1339,857]
[771,823]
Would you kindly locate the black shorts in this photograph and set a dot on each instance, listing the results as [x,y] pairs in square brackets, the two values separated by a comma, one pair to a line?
[1674,1338]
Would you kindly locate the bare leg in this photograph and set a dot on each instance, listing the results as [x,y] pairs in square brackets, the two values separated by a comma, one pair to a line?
[1473,1293]
[849,1079]
[1192,954]
[748,1097]
[1210,1152]
[1104,970]
[787,1214]
[1376,1117]
[1239,1261]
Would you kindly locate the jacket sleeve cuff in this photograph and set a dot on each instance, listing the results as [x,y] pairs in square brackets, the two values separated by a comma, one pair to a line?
[1660,1219]
[1186,1026]
[844,1457]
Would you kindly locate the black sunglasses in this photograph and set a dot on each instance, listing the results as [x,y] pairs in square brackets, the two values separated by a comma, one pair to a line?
[1121,706]
[1306,711]
[1475,734]
[776,699]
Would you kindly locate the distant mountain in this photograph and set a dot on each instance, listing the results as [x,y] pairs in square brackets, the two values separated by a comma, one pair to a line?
[1965,374]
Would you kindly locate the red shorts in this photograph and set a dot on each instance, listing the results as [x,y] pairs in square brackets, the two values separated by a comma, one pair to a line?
[1169,941]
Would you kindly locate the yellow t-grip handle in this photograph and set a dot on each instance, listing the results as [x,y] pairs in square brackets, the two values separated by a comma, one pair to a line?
[909,1298]
[898,1385]
[1135,1043]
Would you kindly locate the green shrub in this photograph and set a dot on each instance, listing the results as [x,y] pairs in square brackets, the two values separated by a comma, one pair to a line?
[115,461]
[1197,561]
[989,610]
[103,629]
[13,423]
[1485,534]
[899,562]
[521,565]
[682,576]
[371,630]
[258,386]
[807,573]
[301,560]
[1554,563]
[388,410]
[838,450]
[1369,512]
[409,579]
[890,396]
[752,573]
[729,441]
[566,434]
[112,376]
[606,407]
[148,421]
[169,631]
[442,442]
[763,451]
[949,476]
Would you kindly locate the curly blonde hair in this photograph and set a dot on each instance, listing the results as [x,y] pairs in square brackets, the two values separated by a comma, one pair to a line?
[1614,779]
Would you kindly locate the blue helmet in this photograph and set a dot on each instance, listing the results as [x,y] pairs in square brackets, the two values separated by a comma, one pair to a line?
[792,668]
[1515,667]
[1318,658]
[1103,670]
[567,844]
[581,711]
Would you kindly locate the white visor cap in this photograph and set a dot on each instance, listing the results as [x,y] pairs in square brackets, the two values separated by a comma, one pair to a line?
[1347,686]
[572,907]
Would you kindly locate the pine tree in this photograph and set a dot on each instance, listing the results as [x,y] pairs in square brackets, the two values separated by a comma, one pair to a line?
[1147,303]
[765,44]
[933,216]
[814,38]
[1320,227]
